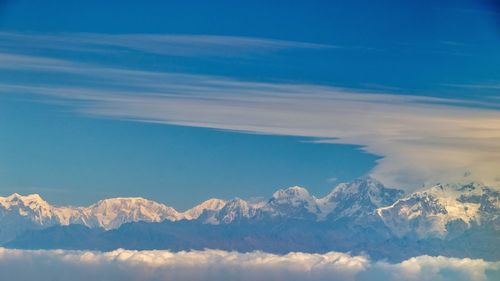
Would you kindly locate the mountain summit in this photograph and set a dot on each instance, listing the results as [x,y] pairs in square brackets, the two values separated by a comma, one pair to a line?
[443,211]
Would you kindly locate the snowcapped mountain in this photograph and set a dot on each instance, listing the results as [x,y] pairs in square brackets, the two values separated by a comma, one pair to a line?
[112,213]
[21,213]
[233,211]
[439,210]
[34,207]
[207,208]
[293,202]
[360,197]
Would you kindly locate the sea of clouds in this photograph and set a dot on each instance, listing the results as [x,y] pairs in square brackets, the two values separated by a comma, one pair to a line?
[222,265]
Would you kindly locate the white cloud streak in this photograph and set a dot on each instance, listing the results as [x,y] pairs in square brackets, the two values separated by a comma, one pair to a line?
[423,140]
[212,265]
[160,44]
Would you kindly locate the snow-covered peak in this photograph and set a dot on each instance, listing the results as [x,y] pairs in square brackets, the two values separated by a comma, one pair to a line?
[111,213]
[362,196]
[124,202]
[19,213]
[237,204]
[16,199]
[292,192]
[234,210]
[210,205]
[430,211]
[291,202]
[32,206]
[427,212]
[364,185]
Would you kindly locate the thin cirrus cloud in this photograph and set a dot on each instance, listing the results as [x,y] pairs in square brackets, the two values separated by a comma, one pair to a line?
[221,265]
[423,140]
[160,44]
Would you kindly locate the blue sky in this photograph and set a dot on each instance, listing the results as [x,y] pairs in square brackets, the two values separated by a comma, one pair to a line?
[180,102]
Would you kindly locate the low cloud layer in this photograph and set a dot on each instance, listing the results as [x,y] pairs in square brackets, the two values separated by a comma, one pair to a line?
[212,265]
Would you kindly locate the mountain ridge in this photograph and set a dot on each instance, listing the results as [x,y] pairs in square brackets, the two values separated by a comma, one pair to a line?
[433,212]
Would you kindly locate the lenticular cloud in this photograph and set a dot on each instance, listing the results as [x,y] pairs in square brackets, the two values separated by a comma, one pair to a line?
[221,265]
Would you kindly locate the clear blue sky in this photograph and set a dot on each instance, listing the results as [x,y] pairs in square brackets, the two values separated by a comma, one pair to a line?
[70,155]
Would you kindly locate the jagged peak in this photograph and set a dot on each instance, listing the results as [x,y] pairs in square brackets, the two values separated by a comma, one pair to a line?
[292,197]
[293,191]
[33,196]
[212,204]
[236,202]
[365,184]
[13,196]
[234,209]
[363,195]
[128,201]
[437,205]
[124,199]
[31,199]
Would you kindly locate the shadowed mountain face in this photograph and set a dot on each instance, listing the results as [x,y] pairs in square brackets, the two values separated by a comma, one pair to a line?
[275,236]
[362,216]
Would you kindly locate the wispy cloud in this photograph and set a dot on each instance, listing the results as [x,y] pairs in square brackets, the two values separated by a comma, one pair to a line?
[422,139]
[176,45]
[491,86]
[221,265]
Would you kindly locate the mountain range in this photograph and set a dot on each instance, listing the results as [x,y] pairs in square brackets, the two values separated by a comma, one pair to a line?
[361,216]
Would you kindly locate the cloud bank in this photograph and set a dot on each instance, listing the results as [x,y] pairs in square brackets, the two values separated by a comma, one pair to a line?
[212,265]
[423,140]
